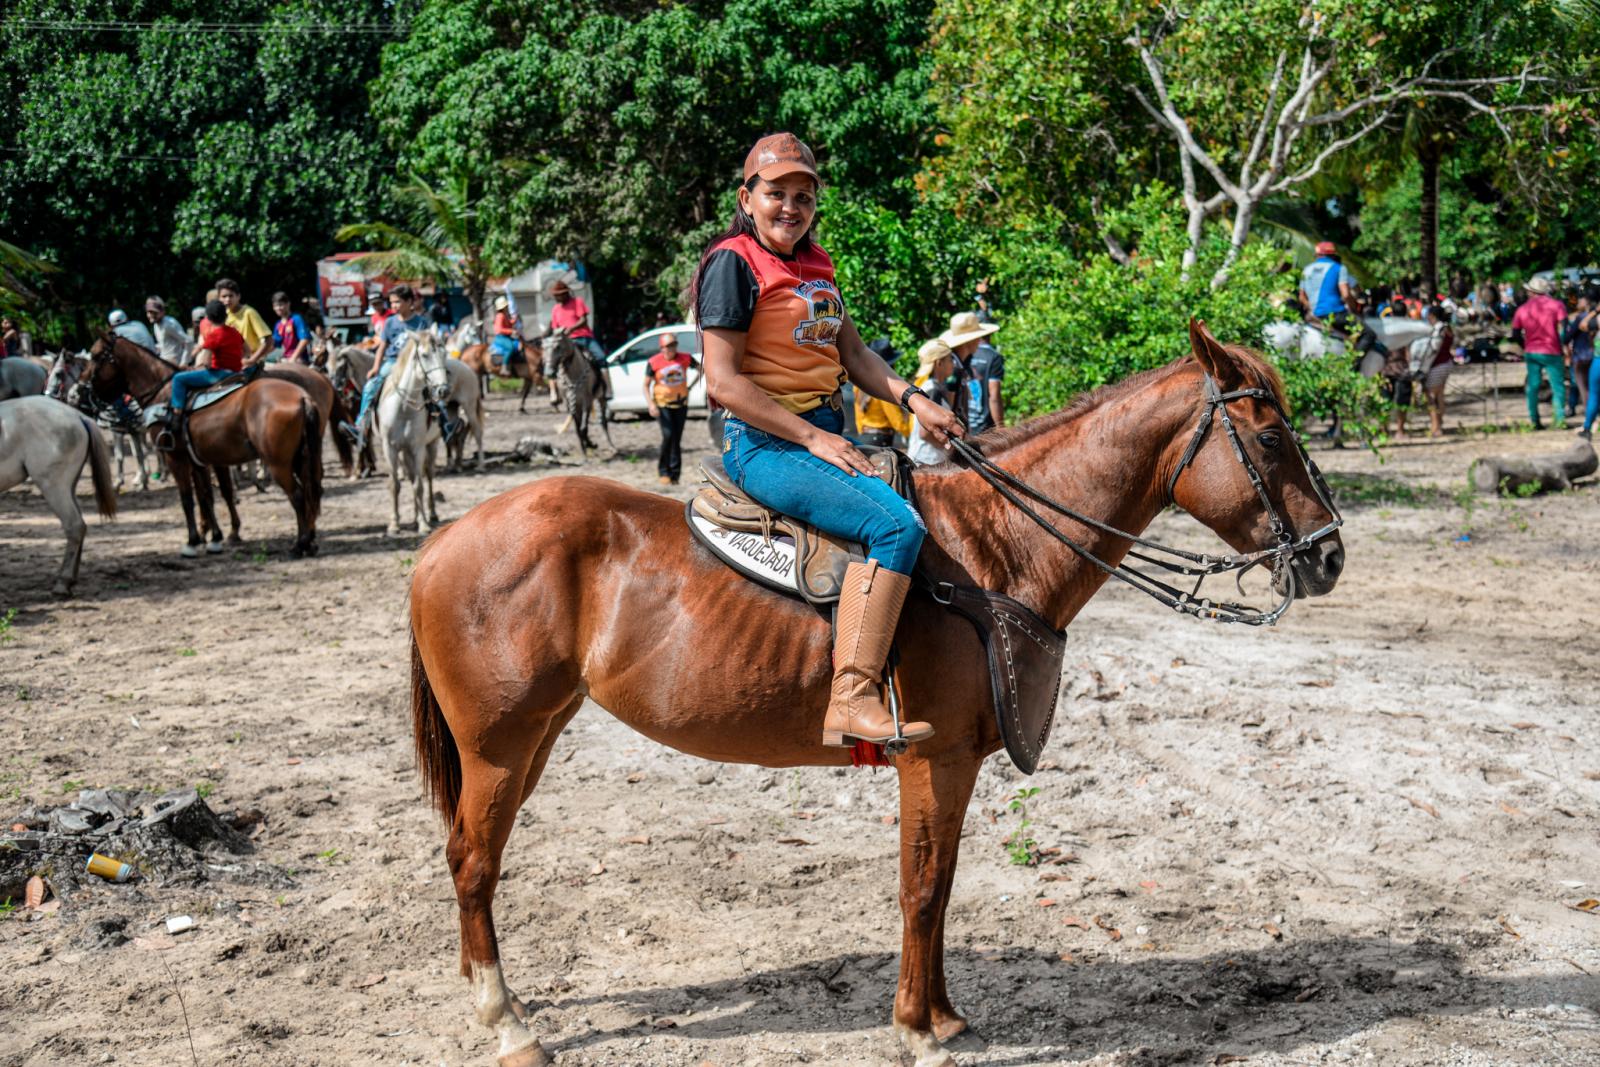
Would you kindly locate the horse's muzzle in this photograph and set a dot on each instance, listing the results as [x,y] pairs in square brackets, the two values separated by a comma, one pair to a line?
[1316,568]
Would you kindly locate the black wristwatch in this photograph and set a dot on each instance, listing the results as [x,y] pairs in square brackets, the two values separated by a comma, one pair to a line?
[905,397]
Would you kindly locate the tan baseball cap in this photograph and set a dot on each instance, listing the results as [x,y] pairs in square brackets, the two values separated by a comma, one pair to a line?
[778,154]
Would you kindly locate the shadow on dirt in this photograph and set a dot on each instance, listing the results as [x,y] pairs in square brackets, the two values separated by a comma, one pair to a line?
[1165,1009]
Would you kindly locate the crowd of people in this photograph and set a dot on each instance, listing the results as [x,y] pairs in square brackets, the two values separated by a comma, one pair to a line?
[1555,330]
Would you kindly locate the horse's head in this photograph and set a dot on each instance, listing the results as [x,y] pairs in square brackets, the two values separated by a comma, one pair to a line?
[1238,468]
[557,349]
[102,372]
[428,352]
[63,376]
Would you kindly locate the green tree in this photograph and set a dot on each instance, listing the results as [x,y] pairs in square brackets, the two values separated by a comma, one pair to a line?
[152,155]
[614,132]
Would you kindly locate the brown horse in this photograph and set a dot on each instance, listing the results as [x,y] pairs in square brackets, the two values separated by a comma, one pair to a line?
[482,363]
[271,419]
[331,407]
[553,592]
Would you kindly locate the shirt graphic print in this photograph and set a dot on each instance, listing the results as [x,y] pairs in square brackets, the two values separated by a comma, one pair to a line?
[826,313]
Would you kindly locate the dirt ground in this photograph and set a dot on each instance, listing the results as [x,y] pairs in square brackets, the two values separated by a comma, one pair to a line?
[1358,837]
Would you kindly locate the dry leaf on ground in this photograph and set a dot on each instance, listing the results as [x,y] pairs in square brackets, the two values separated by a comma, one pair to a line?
[1424,806]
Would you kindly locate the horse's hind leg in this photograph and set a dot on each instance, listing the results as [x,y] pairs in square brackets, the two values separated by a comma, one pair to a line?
[230,497]
[60,495]
[933,803]
[522,402]
[138,456]
[208,510]
[495,782]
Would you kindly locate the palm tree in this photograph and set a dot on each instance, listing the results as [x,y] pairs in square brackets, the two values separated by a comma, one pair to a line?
[445,239]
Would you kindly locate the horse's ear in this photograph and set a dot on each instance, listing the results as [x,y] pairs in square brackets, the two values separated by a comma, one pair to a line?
[1213,356]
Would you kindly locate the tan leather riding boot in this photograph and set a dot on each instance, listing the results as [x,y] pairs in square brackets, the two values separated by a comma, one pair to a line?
[869,609]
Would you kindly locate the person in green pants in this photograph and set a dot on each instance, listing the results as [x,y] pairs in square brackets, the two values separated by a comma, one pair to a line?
[1539,319]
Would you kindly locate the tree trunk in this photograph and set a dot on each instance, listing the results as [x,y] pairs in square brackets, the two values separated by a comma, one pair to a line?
[1428,153]
[1529,475]
[1243,217]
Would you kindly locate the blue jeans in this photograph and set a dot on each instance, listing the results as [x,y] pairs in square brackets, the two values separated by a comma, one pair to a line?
[1592,406]
[786,477]
[590,346]
[370,391]
[183,381]
[504,348]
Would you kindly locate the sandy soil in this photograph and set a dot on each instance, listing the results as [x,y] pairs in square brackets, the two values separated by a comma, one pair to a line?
[1356,837]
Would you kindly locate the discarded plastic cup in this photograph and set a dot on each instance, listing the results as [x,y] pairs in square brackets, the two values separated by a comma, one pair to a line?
[109,869]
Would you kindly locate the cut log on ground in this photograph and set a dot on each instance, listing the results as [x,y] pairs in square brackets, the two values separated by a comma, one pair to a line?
[1513,475]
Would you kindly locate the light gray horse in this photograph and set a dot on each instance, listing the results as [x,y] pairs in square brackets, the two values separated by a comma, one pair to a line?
[1296,340]
[20,377]
[579,385]
[410,439]
[126,436]
[49,442]
[465,407]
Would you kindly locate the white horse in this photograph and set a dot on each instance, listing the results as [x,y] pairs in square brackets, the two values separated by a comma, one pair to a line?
[49,442]
[1297,340]
[20,376]
[126,437]
[579,385]
[409,437]
[465,407]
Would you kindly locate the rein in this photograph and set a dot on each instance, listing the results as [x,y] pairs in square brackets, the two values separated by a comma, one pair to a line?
[1199,566]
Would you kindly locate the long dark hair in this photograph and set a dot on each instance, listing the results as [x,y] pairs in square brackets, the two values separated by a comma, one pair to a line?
[741,225]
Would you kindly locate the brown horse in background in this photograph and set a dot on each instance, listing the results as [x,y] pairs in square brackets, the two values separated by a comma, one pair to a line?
[556,591]
[271,419]
[331,407]
[480,359]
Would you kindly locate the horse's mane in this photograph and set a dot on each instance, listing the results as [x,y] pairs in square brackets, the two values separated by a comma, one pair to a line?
[1253,363]
[117,338]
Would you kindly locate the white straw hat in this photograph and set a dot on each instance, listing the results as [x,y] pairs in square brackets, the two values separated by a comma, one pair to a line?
[964,327]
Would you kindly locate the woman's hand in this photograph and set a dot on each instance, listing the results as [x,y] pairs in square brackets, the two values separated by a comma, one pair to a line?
[831,448]
[939,421]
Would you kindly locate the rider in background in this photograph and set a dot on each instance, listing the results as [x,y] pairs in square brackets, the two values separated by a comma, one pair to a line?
[572,314]
[172,344]
[244,318]
[935,364]
[507,336]
[1327,288]
[407,317]
[778,345]
[290,331]
[137,332]
[220,354]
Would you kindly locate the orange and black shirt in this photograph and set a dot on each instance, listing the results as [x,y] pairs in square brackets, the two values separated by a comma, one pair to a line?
[791,310]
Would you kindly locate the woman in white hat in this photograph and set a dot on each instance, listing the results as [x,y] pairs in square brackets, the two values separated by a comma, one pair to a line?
[503,341]
[778,345]
[935,363]
[982,370]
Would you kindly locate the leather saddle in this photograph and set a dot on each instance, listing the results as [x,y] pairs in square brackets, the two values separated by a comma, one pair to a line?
[199,398]
[778,550]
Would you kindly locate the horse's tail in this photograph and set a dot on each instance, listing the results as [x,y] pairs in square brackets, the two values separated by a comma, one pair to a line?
[338,413]
[438,761]
[308,459]
[105,493]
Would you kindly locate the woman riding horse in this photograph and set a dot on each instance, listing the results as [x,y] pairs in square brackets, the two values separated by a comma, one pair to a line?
[778,343]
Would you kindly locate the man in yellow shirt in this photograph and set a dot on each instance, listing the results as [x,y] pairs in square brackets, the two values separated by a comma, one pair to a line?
[877,421]
[244,318]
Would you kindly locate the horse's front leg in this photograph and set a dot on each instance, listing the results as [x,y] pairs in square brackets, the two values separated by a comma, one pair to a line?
[208,510]
[933,804]
[427,514]
[183,474]
[395,473]
[230,497]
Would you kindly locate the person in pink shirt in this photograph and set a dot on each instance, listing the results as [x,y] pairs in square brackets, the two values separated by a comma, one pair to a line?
[572,314]
[1540,320]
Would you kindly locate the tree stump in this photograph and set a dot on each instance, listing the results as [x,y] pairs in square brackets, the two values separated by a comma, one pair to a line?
[1531,475]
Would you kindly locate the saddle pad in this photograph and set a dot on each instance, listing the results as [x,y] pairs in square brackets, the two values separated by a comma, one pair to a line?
[158,412]
[1024,668]
[770,561]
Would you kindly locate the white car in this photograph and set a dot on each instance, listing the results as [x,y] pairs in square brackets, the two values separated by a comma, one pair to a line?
[625,368]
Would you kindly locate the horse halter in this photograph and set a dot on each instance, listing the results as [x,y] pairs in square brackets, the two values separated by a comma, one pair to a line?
[1198,566]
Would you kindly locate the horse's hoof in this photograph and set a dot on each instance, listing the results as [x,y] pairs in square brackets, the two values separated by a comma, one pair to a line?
[188,552]
[61,589]
[391,531]
[235,539]
[214,547]
[532,1055]
[947,1027]
[311,548]
[925,1049]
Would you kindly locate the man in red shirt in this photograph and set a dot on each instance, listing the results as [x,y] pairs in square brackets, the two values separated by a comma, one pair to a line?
[1540,320]
[666,394]
[221,353]
[572,314]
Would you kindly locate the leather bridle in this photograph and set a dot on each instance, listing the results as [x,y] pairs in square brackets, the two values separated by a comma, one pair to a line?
[1198,566]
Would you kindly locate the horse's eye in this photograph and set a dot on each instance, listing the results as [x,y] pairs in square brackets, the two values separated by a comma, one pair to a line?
[1270,439]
